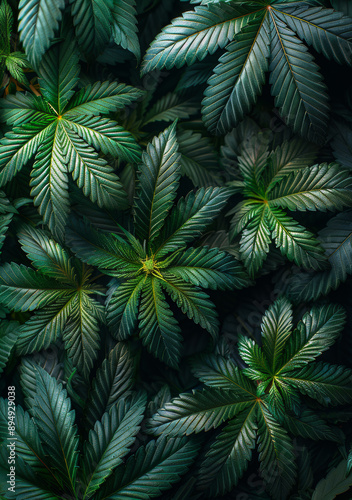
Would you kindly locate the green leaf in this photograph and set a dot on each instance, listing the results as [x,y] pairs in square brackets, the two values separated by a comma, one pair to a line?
[308,425]
[275,455]
[23,289]
[327,31]
[109,442]
[194,35]
[336,239]
[321,187]
[44,326]
[228,457]
[124,27]
[92,174]
[122,307]
[158,181]
[217,371]
[101,98]
[291,156]
[159,329]
[81,334]
[59,73]
[276,329]
[140,477]
[193,302]
[255,241]
[295,241]
[169,108]
[8,337]
[315,333]
[301,100]
[198,161]
[38,21]
[50,181]
[18,146]
[92,22]
[21,108]
[114,380]
[105,136]
[55,419]
[198,411]
[190,217]
[48,257]
[6,23]
[103,250]
[329,384]
[238,79]
[207,268]
[335,483]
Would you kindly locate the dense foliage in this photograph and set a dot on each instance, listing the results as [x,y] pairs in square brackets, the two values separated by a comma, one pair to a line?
[175,238]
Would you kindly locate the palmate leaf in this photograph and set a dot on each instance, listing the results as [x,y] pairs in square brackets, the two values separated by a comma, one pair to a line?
[302,101]
[190,217]
[276,455]
[141,479]
[202,410]
[55,419]
[91,19]
[315,333]
[158,179]
[114,380]
[321,187]
[109,441]
[8,338]
[159,330]
[38,21]
[229,455]
[238,78]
